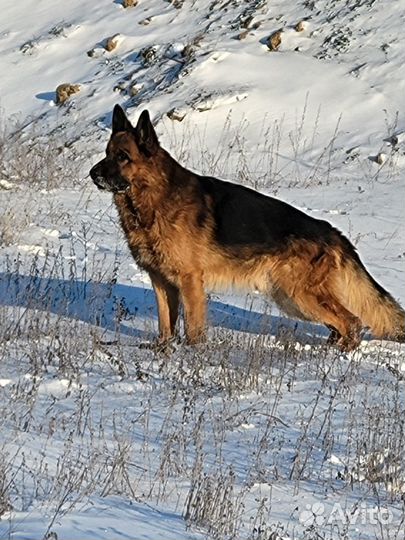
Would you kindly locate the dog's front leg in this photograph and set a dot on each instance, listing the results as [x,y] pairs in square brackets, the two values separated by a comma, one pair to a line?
[167,296]
[195,307]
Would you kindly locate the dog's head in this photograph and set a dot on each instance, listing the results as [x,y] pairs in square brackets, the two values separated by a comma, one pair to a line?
[128,152]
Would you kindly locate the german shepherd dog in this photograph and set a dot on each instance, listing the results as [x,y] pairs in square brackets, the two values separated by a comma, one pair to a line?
[192,233]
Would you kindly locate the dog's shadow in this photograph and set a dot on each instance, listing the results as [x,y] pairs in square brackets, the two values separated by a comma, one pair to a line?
[115,306]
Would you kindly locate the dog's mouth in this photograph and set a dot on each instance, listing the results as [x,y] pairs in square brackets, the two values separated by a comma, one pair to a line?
[100,182]
[119,186]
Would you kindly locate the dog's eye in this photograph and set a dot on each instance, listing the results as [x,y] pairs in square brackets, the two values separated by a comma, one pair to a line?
[122,156]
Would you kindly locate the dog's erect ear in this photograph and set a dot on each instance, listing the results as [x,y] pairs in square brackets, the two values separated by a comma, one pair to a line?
[145,134]
[119,121]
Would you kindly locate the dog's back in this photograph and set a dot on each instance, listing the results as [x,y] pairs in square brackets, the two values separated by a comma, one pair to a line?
[246,218]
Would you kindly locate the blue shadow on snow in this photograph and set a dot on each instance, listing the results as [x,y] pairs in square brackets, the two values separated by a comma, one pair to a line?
[103,304]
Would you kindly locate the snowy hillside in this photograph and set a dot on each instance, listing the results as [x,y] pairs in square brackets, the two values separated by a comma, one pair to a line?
[264,433]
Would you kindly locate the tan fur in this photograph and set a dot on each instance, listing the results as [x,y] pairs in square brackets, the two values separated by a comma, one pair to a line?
[381,313]
[171,234]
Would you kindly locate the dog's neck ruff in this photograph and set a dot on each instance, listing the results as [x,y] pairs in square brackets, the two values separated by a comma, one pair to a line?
[133,211]
[126,207]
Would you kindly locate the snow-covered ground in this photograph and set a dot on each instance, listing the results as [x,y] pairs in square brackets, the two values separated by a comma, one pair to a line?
[264,432]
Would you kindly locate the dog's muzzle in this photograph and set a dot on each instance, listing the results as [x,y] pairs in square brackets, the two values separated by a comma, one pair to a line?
[100,182]
[117,185]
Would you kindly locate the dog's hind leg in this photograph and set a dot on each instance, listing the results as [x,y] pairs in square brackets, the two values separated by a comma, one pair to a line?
[305,273]
[167,296]
[321,306]
[334,335]
[195,306]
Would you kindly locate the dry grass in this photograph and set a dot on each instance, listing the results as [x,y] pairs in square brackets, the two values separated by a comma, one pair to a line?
[29,157]
[184,420]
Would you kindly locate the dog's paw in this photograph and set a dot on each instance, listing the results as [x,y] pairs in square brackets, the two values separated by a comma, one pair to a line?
[159,346]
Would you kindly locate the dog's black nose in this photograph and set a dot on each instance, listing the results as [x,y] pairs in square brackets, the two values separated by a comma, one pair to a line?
[97,175]
[95,172]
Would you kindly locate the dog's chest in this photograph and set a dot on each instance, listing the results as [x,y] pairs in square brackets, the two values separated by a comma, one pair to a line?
[146,240]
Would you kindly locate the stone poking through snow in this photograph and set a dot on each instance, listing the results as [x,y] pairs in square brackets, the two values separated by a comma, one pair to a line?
[134,89]
[381,158]
[176,114]
[5,184]
[112,42]
[243,34]
[300,26]
[64,91]
[274,40]
[129,3]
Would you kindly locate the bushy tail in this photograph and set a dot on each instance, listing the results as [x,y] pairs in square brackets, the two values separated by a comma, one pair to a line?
[373,305]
